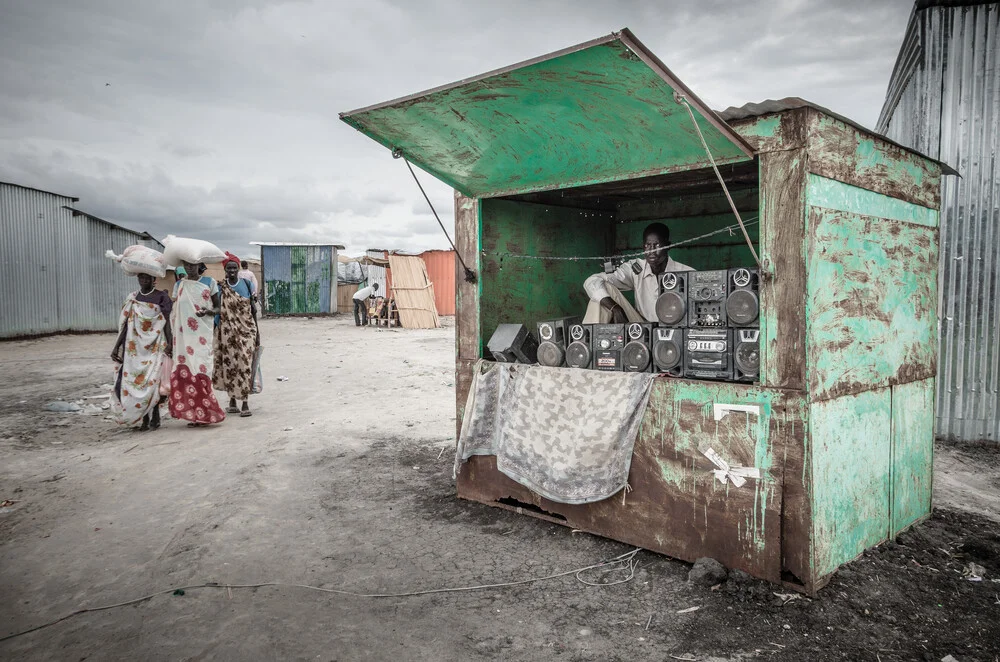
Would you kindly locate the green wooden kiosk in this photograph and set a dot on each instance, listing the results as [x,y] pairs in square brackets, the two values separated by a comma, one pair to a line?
[572,154]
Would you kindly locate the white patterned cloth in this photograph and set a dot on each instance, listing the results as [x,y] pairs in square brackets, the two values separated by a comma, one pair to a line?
[565,434]
[139,374]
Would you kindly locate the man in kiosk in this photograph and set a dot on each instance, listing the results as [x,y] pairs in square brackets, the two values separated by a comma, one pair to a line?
[643,275]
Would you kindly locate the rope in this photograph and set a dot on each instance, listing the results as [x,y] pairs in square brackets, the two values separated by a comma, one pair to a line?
[470,275]
[682,100]
[603,258]
[622,562]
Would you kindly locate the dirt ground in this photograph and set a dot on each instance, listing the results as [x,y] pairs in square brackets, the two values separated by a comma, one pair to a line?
[342,479]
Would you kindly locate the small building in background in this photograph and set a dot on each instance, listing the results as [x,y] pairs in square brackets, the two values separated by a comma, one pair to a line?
[298,279]
[436,274]
[54,277]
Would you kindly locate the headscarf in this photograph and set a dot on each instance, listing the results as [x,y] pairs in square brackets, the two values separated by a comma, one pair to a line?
[230,258]
[179,273]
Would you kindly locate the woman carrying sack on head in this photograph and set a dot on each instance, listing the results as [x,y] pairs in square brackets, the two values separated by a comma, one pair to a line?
[144,342]
[196,303]
[236,337]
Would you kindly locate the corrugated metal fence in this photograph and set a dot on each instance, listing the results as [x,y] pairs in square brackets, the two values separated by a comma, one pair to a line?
[441,271]
[53,273]
[377,274]
[944,101]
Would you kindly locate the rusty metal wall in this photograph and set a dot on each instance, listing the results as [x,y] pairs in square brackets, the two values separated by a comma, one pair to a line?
[53,273]
[441,271]
[944,100]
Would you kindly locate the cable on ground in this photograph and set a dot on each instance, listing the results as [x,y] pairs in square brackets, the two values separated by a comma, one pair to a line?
[622,563]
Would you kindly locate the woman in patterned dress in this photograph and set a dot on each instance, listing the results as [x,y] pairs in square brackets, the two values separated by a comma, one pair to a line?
[236,337]
[196,302]
[144,340]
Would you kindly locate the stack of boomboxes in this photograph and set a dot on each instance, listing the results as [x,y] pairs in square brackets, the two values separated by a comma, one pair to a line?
[708,329]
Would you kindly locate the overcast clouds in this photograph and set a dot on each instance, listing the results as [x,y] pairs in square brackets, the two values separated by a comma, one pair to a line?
[221,122]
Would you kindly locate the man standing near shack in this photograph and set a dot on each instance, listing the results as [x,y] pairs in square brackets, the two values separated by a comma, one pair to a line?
[643,275]
[361,303]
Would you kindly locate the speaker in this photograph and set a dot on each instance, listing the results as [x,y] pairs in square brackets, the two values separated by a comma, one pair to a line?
[608,341]
[579,353]
[552,340]
[672,304]
[668,351]
[707,292]
[708,354]
[743,304]
[636,355]
[512,343]
[746,355]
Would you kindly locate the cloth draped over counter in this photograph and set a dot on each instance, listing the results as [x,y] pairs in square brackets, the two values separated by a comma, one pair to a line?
[565,434]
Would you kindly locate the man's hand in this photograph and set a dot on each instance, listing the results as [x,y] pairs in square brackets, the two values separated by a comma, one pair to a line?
[617,312]
[116,355]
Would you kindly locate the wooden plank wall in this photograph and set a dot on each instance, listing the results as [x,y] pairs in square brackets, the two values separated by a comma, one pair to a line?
[414,293]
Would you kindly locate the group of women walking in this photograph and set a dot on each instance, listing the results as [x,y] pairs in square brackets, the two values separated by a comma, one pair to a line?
[180,347]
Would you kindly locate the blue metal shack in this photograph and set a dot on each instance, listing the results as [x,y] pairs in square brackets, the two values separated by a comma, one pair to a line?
[299,279]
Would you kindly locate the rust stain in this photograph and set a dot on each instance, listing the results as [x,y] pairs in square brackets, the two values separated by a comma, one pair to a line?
[676,506]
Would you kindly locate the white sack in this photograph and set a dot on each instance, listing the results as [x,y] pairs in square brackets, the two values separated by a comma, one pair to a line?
[184,249]
[139,259]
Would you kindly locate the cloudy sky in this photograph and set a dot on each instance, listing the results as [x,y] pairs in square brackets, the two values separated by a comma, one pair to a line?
[219,119]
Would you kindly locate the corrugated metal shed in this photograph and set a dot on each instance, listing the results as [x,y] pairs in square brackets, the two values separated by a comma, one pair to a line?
[53,273]
[299,279]
[944,100]
[375,273]
[441,271]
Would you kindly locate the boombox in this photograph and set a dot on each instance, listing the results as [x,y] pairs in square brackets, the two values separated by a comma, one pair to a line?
[743,304]
[552,340]
[708,353]
[512,343]
[668,351]
[636,356]
[608,341]
[578,352]
[746,355]
[707,292]
[672,304]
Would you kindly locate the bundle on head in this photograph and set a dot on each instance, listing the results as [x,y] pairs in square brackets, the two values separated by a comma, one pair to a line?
[139,259]
[192,251]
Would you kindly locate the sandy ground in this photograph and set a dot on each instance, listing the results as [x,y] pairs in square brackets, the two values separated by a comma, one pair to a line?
[342,479]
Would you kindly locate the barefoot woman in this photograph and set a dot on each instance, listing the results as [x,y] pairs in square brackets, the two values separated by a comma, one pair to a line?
[196,303]
[143,342]
[236,337]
